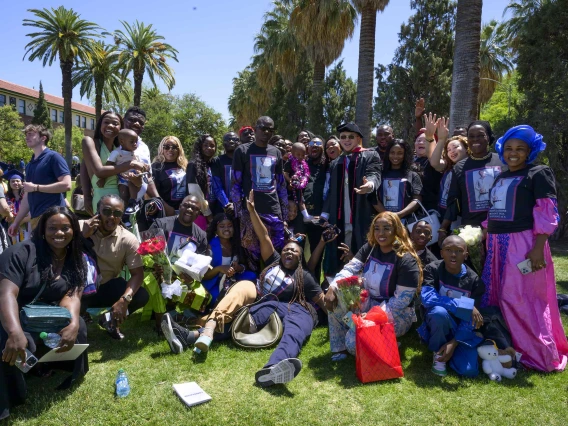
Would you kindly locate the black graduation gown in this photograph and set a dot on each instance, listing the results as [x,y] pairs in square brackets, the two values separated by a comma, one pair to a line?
[367,164]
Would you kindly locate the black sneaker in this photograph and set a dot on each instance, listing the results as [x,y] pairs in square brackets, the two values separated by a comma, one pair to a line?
[283,372]
[178,337]
[113,331]
[132,207]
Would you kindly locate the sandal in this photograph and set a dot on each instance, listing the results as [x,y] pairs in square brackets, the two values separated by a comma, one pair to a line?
[205,339]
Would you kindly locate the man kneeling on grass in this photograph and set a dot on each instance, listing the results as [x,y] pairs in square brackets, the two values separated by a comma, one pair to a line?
[451,293]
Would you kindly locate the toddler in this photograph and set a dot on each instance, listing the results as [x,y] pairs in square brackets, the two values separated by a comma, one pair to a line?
[297,173]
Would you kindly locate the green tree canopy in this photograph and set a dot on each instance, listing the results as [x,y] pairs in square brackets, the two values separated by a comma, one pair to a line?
[12,142]
[339,98]
[57,142]
[41,111]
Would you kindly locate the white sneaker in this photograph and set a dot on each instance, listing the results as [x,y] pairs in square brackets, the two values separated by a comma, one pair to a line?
[283,372]
[439,367]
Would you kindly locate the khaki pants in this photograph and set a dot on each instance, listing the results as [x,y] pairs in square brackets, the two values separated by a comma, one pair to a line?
[241,294]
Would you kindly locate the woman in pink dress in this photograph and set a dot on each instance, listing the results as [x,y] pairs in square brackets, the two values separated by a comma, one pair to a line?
[518,228]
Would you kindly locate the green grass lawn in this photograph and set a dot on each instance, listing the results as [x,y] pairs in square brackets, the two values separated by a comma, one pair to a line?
[323,393]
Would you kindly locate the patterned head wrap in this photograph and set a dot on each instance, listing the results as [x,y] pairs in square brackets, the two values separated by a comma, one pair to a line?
[526,134]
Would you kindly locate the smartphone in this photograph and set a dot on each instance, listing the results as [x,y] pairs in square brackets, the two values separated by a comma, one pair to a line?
[28,364]
[320,221]
[525,266]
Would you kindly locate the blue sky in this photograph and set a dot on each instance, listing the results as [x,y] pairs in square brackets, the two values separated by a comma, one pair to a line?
[215,40]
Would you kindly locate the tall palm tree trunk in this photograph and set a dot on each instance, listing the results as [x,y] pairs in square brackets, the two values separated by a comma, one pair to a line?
[316,123]
[366,71]
[67,92]
[98,99]
[138,77]
[465,78]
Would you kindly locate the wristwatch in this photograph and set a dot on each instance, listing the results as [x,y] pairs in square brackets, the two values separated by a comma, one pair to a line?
[127,298]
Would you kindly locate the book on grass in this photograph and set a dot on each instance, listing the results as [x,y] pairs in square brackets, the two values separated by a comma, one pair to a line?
[191,393]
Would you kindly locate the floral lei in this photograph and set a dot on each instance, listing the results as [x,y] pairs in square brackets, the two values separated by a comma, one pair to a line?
[301,173]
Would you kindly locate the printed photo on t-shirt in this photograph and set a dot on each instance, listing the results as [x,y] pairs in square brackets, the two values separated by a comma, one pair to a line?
[478,184]
[276,281]
[453,292]
[503,197]
[175,241]
[177,178]
[377,276]
[393,194]
[445,189]
[262,170]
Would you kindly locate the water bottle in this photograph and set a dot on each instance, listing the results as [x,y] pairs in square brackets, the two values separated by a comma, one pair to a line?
[122,386]
[51,340]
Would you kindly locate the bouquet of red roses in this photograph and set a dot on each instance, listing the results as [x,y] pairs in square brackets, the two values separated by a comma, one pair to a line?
[351,293]
[153,251]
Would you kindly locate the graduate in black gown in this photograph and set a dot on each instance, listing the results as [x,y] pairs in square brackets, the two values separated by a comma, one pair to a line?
[354,179]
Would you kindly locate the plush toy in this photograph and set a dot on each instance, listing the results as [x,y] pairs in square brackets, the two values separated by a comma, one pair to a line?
[508,351]
[492,363]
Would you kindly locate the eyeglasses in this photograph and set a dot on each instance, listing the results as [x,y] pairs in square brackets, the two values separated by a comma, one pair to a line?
[110,212]
[315,143]
[343,137]
[170,147]
[231,139]
[266,129]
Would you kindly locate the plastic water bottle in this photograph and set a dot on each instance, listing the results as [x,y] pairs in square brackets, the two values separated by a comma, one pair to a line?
[51,340]
[122,386]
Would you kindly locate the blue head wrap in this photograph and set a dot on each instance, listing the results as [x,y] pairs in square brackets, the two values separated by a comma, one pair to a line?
[525,133]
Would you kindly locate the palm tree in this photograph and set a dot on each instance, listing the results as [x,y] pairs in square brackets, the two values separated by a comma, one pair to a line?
[321,27]
[248,100]
[141,51]
[465,75]
[366,74]
[102,76]
[521,11]
[494,58]
[65,36]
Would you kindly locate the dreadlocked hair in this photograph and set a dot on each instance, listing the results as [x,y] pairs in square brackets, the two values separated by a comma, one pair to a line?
[200,162]
[299,295]
[402,243]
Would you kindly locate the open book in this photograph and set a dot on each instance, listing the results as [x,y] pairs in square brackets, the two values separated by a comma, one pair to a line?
[191,393]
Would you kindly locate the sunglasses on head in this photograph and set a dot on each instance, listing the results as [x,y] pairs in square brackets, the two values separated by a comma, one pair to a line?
[170,147]
[347,136]
[315,143]
[110,212]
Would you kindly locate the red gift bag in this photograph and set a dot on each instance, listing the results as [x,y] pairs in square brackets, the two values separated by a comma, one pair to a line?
[377,356]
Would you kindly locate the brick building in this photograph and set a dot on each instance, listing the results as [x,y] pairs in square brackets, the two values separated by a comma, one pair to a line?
[24,100]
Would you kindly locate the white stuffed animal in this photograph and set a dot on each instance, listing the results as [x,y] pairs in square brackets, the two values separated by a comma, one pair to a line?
[492,363]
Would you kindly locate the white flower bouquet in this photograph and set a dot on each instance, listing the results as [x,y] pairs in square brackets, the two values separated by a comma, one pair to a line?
[473,236]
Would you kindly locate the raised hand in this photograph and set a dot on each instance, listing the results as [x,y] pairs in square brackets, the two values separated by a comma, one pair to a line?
[366,187]
[431,123]
[419,107]
[442,128]
[250,201]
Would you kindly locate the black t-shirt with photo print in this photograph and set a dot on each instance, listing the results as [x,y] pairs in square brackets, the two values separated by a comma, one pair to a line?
[384,271]
[469,191]
[449,285]
[430,183]
[259,167]
[398,189]
[221,167]
[281,282]
[514,196]
[170,182]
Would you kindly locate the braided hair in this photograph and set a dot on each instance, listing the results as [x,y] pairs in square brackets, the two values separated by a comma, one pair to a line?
[298,277]
[200,162]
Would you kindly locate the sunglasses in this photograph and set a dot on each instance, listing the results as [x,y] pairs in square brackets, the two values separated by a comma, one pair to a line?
[170,147]
[343,137]
[231,139]
[266,129]
[110,212]
[315,143]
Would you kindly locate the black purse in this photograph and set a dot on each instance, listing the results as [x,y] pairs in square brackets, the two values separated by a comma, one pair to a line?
[39,317]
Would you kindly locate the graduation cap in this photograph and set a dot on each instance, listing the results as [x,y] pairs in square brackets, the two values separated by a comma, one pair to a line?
[11,174]
[349,127]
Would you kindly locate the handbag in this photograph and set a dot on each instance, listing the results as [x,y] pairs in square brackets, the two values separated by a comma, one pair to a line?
[40,317]
[269,335]
[78,204]
[432,217]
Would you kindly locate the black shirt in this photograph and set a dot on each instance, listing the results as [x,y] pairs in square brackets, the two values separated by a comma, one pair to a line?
[18,263]
[280,281]
[398,189]
[427,257]
[514,196]
[313,193]
[170,181]
[470,187]
[259,167]
[221,168]
[177,234]
[430,183]
[444,191]
[384,271]
[449,285]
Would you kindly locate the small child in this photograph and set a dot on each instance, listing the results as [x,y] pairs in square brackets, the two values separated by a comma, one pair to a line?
[421,235]
[297,173]
[129,192]
[451,293]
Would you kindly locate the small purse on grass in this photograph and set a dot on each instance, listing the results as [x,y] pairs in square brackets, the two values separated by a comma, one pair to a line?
[39,317]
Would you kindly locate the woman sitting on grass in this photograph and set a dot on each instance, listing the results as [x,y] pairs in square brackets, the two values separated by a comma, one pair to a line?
[54,257]
[391,274]
[288,288]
